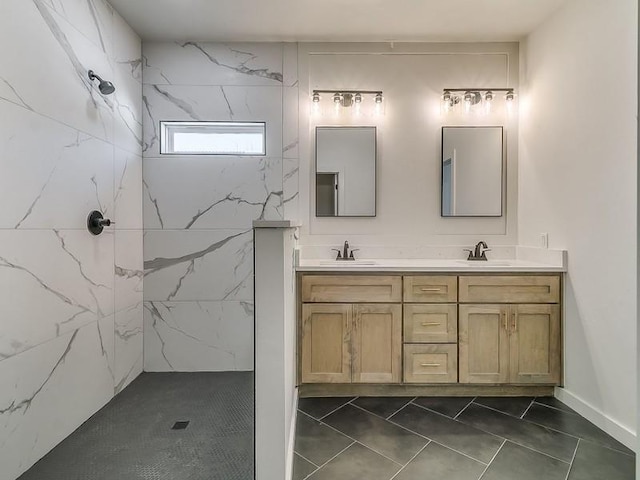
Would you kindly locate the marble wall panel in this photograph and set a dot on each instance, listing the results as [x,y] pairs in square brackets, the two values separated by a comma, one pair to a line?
[53,282]
[53,80]
[203,192]
[53,175]
[197,336]
[49,391]
[192,63]
[198,265]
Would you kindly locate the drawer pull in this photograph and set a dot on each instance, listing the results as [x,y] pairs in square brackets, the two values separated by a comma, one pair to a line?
[430,289]
[430,324]
[430,364]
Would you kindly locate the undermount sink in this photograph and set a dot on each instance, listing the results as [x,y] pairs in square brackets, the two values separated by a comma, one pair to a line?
[346,263]
[486,263]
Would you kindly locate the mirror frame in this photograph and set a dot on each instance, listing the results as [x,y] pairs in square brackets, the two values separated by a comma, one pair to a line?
[375,170]
[503,185]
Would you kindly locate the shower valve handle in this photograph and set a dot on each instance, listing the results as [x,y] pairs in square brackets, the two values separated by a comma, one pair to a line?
[96,222]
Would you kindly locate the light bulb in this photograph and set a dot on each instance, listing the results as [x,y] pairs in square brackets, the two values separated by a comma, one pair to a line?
[488,100]
[378,98]
[316,97]
[337,98]
[357,98]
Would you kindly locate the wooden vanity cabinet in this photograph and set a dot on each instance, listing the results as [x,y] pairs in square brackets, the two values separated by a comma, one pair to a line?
[477,331]
[509,343]
[351,342]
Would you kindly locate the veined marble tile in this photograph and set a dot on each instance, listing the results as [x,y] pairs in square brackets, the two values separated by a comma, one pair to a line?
[106,337]
[53,282]
[192,63]
[128,346]
[127,112]
[198,265]
[127,47]
[92,18]
[198,336]
[291,188]
[129,273]
[58,87]
[52,175]
[211,103]
[290,136]
[203,192]
[290,64]
[48,392]
[128,190]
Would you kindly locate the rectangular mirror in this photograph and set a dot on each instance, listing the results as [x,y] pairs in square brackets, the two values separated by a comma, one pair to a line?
[345,171]
[472,171]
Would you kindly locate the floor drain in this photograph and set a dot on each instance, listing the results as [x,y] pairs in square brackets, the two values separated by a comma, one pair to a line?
[180,425]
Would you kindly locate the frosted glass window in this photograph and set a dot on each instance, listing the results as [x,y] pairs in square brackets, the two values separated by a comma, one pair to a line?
[212,138]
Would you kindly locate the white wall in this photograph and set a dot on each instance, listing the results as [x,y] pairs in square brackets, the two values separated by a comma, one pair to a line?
[412,77]
[276,394]
[198,210]
[71,303]
[577,182]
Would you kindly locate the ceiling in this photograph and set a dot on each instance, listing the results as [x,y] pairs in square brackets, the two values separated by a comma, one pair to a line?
[335,20]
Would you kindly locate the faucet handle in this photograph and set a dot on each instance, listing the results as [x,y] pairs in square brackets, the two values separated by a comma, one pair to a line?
[339,253]
[351,254]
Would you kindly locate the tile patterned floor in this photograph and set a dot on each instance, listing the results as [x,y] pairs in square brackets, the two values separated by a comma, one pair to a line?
[453,438]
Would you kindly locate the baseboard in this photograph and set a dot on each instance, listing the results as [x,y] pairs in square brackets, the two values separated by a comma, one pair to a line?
[615,429]
[292,436]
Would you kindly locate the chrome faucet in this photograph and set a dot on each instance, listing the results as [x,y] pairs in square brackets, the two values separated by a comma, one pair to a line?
[478,253]
[345,255]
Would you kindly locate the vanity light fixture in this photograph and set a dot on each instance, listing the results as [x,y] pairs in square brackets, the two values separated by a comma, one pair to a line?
[474,96]
[347,98]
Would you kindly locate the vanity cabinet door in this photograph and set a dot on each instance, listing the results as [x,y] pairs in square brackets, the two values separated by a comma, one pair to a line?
[483,344]
[534,343]
[377,343]
[326,332]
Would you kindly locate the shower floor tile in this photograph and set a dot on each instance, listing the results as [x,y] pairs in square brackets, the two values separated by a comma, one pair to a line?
[132,438]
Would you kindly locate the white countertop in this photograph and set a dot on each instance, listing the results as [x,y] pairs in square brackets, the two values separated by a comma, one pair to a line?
[425,265]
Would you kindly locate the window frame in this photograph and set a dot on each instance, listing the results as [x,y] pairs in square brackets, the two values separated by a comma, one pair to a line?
[166,139]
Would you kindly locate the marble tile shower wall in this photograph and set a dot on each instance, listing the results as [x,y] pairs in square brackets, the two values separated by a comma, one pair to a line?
[198,210]
[71,303]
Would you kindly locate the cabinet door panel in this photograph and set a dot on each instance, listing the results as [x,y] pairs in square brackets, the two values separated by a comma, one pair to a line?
[377,343]
[483,344]
[326,332]
[535,343]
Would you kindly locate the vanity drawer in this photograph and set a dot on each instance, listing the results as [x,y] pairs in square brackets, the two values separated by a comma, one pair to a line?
[352,288]
[430,363]
[510,289]
[430,289]
[430,323]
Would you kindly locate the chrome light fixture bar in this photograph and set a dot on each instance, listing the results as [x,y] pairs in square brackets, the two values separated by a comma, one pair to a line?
[346,98]
[473,96]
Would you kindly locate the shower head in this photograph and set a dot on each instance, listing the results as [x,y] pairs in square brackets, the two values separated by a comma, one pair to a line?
[105,87]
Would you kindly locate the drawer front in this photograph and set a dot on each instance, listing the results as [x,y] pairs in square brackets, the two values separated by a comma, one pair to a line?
[352,288]
[430,323]
[430,363]
[510,289]
[430,289]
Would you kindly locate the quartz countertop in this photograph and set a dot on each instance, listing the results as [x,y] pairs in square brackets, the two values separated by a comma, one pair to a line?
[427,265]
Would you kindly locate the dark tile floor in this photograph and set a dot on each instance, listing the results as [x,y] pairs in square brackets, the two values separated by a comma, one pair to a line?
[452,438]
[131,438]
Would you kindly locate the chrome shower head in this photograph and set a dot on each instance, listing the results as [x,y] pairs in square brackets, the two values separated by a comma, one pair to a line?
[105,87]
